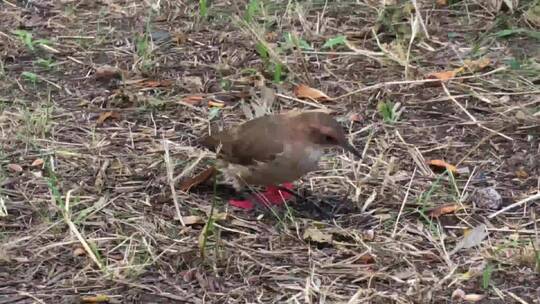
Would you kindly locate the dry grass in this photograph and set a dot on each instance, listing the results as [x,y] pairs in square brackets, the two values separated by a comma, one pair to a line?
[92,208]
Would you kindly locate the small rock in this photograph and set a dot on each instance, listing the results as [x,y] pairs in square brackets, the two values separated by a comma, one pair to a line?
[488,198]
[14,168]
[192,84]
[107,72]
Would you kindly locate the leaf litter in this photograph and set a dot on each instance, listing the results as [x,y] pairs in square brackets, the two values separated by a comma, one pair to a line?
[125,211]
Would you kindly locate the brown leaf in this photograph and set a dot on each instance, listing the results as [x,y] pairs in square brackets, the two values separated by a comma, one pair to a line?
[444,76]
[441,164]
[271,36]
[156,83]
[106,115]
[444,209]
[303,91]
[107,72]
[355,117]
[192,100]
[179,38]
[79,251]
[37,163]
[476,65]
[95,299]
[215,104]
[197,179]
[188,275]
[366,258]
[14,168]
[521,173]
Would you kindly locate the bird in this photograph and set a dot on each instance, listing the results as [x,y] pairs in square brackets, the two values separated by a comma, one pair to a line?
[274,151]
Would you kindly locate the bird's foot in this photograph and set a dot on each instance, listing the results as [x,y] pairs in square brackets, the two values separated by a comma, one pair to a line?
[273,195]
[242,204]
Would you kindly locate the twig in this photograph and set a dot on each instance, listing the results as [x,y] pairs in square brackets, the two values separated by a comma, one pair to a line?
[419,16]
[519,203]
[320,106]
[169,166]
[75,231]
[414,30]
[383,84]
[474,120]
[403,203]
[29,295]
[521,231]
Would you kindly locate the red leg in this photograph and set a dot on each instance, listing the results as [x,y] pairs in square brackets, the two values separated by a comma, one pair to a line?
[242,204]
[272,196]
[275,196]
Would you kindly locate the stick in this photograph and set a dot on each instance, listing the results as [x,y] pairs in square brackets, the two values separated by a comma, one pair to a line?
[403,203]
[521,202]
[170,178]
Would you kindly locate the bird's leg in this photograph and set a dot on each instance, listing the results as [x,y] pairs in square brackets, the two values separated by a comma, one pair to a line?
[277,195]
[273,195]
[245,204]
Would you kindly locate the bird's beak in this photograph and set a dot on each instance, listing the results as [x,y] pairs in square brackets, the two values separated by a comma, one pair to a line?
[350,148]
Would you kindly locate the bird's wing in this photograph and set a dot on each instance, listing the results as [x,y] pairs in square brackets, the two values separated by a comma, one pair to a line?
[247,144]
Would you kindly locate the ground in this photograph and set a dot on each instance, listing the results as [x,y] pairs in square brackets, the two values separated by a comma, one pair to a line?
[102,103]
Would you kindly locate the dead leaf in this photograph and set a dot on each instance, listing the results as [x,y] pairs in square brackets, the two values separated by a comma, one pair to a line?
[156,83]
[188,275]
[444,76]
[192,220]
[95,299]
[215,104]
[476,65]
[473,297]
[316,235]
[197,179]
[79,251]
[303,91]
[179,38]
[106,115]
[193,100]
[471,238]
[14,168]
[521,173]
[107,72]
[444,209]
[37,162]
[459,293]
[355,117]
[195,219]
[271,36]
[366,258]
[441,164]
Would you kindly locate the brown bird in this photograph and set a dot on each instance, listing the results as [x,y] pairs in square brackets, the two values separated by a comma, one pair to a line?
[275,149]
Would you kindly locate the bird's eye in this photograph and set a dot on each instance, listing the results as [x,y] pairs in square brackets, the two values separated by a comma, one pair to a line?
[329,138]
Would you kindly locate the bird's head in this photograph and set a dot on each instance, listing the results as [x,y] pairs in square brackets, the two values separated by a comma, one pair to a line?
[322,129]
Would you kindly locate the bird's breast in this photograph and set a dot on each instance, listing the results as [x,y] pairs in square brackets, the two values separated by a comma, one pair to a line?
[307,157]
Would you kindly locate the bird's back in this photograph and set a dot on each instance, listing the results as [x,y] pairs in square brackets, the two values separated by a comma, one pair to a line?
[252,141]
